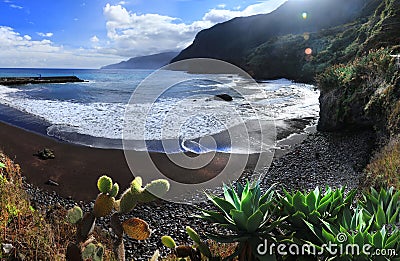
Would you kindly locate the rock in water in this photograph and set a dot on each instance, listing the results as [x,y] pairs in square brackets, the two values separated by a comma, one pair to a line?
[224,96]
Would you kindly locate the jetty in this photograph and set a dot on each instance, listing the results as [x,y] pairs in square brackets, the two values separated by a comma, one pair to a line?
[38,80]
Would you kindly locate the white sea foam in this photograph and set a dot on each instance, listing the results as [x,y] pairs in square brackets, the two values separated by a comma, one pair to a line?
[171,118]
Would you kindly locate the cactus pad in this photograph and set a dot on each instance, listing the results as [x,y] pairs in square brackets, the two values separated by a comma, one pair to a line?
[156,188]
[168,242]
[128,201]
[104,184]
[193,235]
[89,251]
[136,228]
[114,190]
[136,185]
[74,215]
[103,205]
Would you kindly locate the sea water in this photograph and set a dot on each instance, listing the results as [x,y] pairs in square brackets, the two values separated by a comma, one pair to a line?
[92,113]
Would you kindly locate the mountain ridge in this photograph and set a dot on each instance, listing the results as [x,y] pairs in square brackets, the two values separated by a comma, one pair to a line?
[154,61]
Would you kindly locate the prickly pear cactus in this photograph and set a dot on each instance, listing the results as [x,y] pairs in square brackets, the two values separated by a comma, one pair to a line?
[168,242]
[114,190]
[93,252]
[74,215]
[128,201]
[104,184]
[103,205]
[136,228]
[156,188]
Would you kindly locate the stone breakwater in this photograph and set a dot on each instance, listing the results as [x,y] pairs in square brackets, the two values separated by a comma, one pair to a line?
[38,80]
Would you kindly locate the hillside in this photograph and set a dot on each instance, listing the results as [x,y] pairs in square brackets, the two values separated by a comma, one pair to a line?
[234,40]
[154,61]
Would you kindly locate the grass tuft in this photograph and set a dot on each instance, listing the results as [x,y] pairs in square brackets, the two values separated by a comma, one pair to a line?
[384,169]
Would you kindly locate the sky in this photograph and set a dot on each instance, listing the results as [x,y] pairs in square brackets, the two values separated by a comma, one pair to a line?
[93,33]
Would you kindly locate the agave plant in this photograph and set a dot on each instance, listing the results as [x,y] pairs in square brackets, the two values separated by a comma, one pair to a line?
[248,215]
[313,207]
[384,206]
[353,235]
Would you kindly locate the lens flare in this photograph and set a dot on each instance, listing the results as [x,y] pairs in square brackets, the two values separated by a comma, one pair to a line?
[304,15]
[308,51]
[306,36]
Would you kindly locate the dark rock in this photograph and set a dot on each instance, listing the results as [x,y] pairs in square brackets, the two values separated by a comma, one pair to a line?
[224,96]
[52,183]
[45,154]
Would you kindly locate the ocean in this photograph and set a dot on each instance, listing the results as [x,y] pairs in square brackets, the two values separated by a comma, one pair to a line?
[93,113]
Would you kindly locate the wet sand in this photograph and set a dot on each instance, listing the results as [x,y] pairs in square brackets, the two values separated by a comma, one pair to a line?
[76,168]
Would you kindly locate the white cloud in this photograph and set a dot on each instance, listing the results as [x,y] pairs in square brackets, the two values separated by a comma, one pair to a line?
[15,6]
[131,34]
[45,34]
[22,51]
[94,39]
[123,3]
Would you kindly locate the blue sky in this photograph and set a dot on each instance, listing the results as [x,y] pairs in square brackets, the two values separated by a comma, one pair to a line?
[92,33]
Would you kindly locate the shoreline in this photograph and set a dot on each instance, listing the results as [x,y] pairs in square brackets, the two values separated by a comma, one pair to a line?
[76,168]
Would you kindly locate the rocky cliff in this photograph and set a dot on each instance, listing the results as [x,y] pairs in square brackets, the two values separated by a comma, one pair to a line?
[272,45]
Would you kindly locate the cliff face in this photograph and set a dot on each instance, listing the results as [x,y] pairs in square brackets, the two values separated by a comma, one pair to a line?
[154,61]
[364,91]
[235,40]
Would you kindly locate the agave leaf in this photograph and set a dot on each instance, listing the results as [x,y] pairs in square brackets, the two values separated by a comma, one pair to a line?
[327,197]
[235,197]
[350,196]
[288,195]
[316,231]
[377,239]
[331,228]
[328,236]
[254,221]
[380,217]
[239,189]
[323,206]
[229,226]
[311,201]
[395,217]
[264,208]
[247,205]
[317,194]
[298,199]
[222,204]
[314,216]
[346,218]
[240,219]
[359,239]
[392,240]
[245,191]
[227,195]
[382,197]
[213,216]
